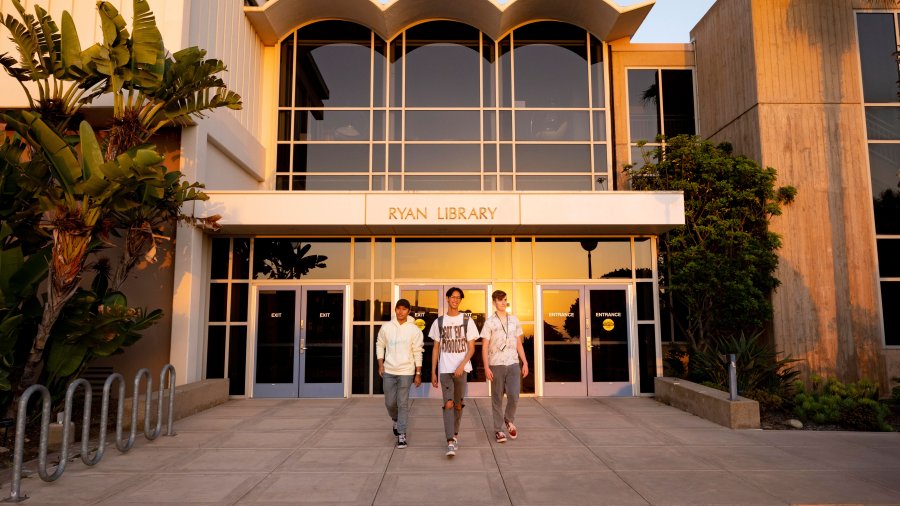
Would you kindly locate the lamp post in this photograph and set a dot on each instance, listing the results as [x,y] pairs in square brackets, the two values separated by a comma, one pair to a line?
[589,245]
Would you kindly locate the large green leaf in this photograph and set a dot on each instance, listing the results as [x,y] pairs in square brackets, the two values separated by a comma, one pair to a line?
[71,47]
[65,358]
[57,151]
[147,50]
[91,156]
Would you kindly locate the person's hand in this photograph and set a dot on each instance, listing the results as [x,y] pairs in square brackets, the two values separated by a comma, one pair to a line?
[434,381]
[381,370]
[417,379]
[525,369]
[460,371]
[488,374]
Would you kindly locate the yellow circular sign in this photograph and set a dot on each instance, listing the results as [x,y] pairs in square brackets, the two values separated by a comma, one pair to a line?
[608,325]
[420,323]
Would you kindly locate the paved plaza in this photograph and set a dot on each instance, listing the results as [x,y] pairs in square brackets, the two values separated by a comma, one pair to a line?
[569,452]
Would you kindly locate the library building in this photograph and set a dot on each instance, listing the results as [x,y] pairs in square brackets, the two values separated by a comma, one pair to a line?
[393,150]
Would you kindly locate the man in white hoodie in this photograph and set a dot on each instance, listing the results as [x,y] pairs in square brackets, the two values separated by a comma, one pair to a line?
[399,351]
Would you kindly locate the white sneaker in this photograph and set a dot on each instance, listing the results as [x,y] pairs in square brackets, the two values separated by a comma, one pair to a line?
[451,449]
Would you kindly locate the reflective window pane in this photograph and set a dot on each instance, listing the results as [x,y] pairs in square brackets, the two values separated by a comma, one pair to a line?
[553,158]
[504,70]
[562,335]
[599,126]
[552,125]
[442,183]
[219,258]
[884,160]
[643,105]
[361,373]
[598,95]
[443,126]
[333,62]
[890,301]
[383,309]
[382,258]
[678,102]
[218,301]
[442,65]
[379,77]
[502,258]
[362,302]
[331,126]
[553,183]
[240,293]
[237,360]
[601,258]
[647,357]
[883,123]
[551,74]
[643,257]
[286,78]
[215,351]
[362,259]
[330,183]
[331,158]
[889,258]
[443,158]
[297,258]
[240,263]
[878,46]
[466,259]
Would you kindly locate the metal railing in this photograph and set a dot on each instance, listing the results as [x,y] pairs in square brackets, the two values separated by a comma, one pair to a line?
[15,492]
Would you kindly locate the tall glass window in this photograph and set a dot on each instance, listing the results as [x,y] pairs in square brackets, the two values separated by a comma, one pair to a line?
[660,105]
[878,45]
[442,107]
[373,266]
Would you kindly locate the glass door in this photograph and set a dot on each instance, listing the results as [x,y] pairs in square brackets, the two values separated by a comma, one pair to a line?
[563,348]
[587,347]
[609,328]
[299,341]
[427,303]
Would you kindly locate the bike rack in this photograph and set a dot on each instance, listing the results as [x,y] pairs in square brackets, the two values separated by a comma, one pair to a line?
[15,492]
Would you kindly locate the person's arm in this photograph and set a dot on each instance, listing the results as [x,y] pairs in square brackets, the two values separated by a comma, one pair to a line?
[470,352]
[520,349]
[380,344]
[434,363]
[485,354]
[417,350]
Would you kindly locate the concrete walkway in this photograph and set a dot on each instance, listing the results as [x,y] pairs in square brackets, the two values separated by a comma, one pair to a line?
[569,451]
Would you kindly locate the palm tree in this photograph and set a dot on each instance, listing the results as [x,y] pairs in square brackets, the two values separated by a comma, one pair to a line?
[87,192]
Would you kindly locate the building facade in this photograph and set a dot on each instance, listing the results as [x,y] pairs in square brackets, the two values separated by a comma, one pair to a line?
[393,151]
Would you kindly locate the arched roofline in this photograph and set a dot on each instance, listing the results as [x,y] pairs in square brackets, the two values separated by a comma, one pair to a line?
[602,18]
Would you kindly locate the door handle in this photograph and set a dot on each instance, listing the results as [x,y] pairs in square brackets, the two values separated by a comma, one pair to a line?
[302,345]
[587,343]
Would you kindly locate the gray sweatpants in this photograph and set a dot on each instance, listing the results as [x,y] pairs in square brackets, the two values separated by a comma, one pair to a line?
[454,389]
[508,380]
[396,398]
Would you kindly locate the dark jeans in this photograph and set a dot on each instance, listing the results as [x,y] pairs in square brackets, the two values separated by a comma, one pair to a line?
[454,389]
[396,398]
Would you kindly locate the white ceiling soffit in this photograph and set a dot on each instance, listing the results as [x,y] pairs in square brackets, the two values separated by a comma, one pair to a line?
[605,19]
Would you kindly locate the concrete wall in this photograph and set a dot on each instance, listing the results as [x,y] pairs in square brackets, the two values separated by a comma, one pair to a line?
[780,80]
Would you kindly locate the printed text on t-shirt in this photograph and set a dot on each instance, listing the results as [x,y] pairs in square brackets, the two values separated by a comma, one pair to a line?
[453,339]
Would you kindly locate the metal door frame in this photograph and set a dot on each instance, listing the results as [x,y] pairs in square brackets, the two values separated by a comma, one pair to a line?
[296,388]
[586,387]
[614,388]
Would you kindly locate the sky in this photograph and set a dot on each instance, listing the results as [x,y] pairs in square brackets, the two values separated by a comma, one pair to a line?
[669,20]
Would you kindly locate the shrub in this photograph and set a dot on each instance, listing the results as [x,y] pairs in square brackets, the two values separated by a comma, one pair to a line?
[852,405]
[759,368]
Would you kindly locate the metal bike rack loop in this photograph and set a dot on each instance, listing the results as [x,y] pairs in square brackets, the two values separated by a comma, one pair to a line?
[16,495]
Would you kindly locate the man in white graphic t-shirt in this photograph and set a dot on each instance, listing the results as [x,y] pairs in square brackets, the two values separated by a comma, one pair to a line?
[454,335]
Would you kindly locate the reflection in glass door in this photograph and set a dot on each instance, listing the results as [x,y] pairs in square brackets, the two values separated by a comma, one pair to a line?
[427,303]
[587,348]
[299,342]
